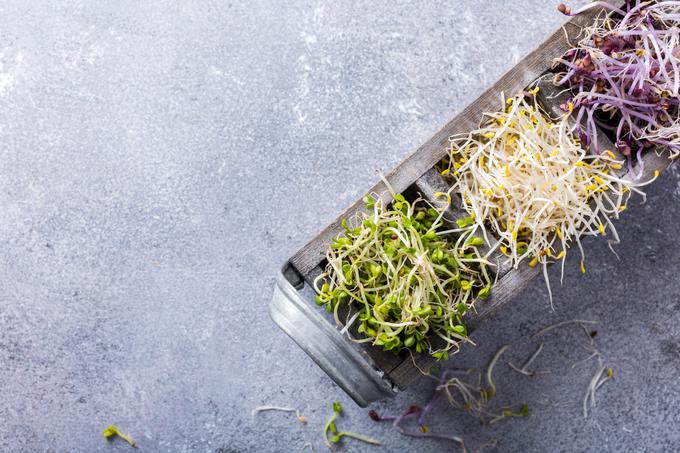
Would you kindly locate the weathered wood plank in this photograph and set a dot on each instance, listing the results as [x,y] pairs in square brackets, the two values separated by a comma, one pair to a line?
[312,275]
[425,157]
[503,291]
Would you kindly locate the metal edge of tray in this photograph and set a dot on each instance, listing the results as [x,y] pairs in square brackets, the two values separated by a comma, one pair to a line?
[306,325]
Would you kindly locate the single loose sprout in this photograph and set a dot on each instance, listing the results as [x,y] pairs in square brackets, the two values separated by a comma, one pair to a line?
[602,375]
[526,365]
[624,75]
[408,284]
[112,431]
[547,329]
[491,392]
[301,418]
[336,436]
[527,178]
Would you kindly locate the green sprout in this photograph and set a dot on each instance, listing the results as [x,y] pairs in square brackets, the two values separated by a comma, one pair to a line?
[407,281]
[336,436]
[505,413]
[112,431]
[491,391]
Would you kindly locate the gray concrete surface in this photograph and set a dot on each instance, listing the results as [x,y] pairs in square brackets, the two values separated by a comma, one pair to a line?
[160,160]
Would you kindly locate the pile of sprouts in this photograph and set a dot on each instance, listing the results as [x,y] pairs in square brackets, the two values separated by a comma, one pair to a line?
[407,285]
[527,178]
[624,75]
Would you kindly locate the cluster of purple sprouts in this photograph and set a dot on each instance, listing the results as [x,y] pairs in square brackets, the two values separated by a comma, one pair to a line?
[624,77]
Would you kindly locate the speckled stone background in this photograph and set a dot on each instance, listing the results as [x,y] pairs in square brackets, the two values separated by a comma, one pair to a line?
[160,161]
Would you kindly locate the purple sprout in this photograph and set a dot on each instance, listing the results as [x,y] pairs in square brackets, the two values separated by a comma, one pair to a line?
[422,431]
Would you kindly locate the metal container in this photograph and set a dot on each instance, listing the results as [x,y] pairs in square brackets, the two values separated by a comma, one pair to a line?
[354,371]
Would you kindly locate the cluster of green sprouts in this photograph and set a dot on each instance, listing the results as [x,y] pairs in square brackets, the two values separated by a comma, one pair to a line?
[405,283]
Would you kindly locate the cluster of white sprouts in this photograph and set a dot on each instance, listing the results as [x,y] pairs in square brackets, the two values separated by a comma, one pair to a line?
[526,177]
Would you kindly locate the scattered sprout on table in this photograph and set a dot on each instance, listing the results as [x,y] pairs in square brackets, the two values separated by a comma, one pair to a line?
[463,390]
[491,391]
[421,431]
[112,431]
[602,374]
[547,329]
[408,284]
[523,370]
[332,435]
[624,75]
